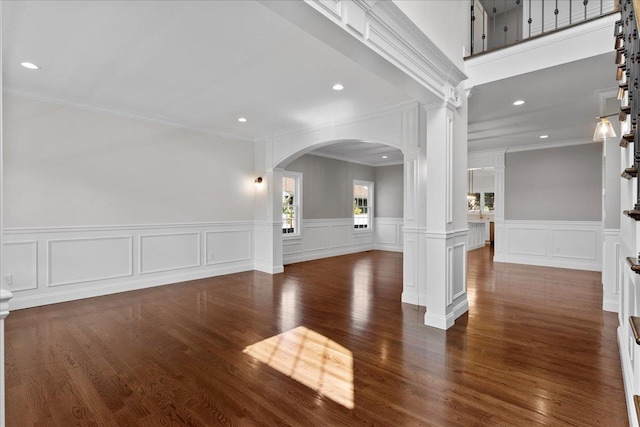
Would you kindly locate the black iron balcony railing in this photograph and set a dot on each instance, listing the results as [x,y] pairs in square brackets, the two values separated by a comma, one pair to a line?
[499,23]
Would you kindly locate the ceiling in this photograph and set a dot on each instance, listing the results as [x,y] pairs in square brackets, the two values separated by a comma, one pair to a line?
[199,65]
[202,65]
[561,102]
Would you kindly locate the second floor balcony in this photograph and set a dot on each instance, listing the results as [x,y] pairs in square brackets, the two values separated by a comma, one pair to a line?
[500,23]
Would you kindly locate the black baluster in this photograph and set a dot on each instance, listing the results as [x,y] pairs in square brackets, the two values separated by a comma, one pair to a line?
[493,37]
[555,12]
[484,29]
[585,3]
[543,2]
[517,20]
[473,18]
[505,22]
[529,21]
[570,12]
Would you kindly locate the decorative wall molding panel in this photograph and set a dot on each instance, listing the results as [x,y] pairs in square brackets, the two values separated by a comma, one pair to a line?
[612,265]
[323,238]
[477,235]
[564,244]
[388,234]
[50,265]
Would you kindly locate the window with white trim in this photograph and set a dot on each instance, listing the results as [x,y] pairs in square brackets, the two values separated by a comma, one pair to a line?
[291,203]
[362,205]
[480,202]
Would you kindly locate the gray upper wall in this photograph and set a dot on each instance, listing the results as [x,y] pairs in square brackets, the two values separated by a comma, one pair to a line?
[389,199]
[328,187]
[556,184]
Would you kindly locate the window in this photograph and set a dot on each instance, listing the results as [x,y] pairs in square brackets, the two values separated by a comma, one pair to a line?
[488,202]
[480,202]
[291,197]
[362,204]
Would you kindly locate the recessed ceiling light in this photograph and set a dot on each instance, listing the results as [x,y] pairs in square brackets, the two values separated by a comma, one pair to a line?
[544,136]
[337,86]
[242,120]
[518,102]
[385,157]
[30,65]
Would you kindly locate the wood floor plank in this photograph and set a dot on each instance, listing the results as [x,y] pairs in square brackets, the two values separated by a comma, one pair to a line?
[534,349]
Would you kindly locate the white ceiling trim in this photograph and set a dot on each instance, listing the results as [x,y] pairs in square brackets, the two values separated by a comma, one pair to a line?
[118,113]
[348,160]
[548,145]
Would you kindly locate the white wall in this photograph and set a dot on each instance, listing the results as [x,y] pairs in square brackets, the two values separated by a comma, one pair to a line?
[97,203]
[70,167]
[428,16]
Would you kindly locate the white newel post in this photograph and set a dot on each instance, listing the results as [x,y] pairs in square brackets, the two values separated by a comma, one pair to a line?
[446,246]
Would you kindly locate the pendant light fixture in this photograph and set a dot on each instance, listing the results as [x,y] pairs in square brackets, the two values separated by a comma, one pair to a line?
[604,129]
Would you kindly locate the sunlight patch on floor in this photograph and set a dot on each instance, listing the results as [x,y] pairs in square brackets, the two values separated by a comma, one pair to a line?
[311,359]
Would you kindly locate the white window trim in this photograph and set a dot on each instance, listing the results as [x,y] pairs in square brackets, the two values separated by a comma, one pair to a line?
[371,200]
[298,220]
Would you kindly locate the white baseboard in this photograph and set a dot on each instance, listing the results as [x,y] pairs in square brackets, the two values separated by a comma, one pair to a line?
[612,306]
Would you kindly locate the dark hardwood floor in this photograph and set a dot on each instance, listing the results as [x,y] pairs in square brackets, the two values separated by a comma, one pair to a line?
[327,343]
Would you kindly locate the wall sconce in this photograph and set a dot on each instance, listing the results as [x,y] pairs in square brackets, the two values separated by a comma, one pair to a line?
[258,180]
[604,129]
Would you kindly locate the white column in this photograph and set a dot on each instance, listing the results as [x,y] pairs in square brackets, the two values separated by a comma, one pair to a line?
[414,267]
[445,237]
[268,225]
[498,212]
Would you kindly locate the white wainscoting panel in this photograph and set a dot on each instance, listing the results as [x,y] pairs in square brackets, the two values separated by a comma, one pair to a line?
[565,244]
[389,234]
[79,260]
[21,260]
[323,238]
[167,252]
[228,246]
[50,265]
[612,264]
[316,237]
[476,236]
